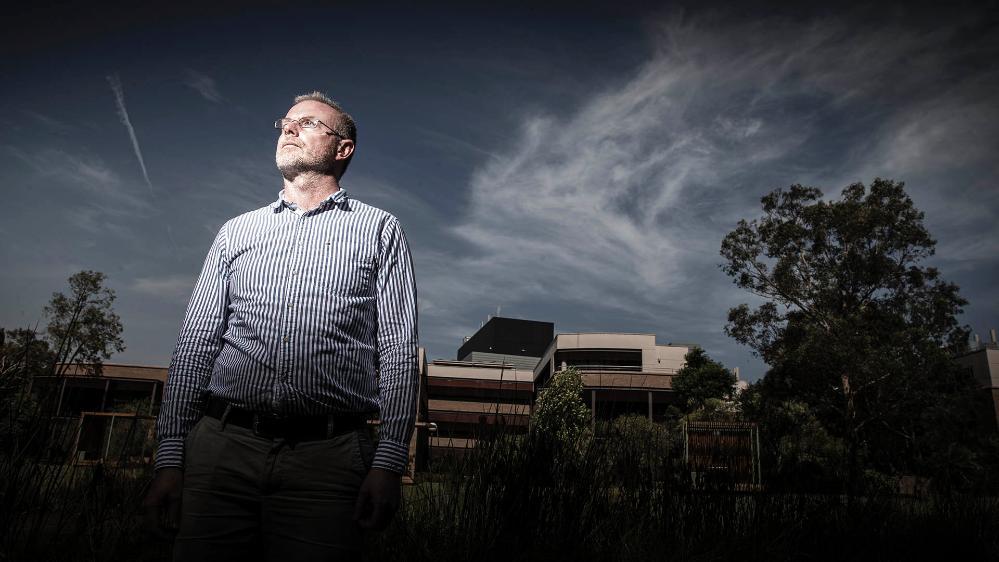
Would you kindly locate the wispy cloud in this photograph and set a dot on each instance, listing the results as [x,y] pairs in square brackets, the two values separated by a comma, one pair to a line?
[102,202]
[614,212]
[204,85]
[171,287]
[78,171]
[48,121]
[119,98]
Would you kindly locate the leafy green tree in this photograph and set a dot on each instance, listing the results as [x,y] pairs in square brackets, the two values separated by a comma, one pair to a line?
[559,412]
[83,327]
[853,323]
[702,379]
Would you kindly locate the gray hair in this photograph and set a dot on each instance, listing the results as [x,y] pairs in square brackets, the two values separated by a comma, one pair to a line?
[344,126]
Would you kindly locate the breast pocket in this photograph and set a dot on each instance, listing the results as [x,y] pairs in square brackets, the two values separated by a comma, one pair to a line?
[351,277]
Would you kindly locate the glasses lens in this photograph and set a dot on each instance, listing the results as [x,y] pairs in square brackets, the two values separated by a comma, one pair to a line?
[280,123]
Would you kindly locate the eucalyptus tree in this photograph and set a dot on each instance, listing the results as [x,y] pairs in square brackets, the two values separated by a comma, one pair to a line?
[83,327]
[852,320]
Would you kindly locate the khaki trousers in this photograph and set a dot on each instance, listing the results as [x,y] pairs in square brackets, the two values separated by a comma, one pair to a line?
[249,498]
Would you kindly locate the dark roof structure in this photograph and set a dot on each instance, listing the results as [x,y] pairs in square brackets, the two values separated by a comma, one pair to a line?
[510,336]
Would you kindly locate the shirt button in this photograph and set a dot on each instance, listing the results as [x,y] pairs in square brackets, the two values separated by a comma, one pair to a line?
[286,339]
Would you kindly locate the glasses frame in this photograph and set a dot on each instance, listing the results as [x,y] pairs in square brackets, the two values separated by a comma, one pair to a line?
[283,122]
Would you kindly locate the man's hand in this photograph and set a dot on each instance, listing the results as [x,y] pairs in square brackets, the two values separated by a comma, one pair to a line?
[161,507]
[378,499]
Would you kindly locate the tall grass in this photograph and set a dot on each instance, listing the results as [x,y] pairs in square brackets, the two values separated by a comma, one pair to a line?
[52,508]
[629,496]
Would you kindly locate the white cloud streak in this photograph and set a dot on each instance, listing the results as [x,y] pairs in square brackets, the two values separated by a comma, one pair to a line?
[204,85]
[119,98]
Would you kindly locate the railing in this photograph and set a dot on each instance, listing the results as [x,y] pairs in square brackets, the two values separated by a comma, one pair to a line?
[621,368]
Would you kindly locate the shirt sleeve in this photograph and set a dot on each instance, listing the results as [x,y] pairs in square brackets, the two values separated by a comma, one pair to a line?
[198,345]
[398,380]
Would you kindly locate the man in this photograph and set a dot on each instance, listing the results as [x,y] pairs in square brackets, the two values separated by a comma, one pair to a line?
[264,450]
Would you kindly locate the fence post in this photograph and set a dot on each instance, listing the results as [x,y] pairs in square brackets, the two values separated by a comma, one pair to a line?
[107,449]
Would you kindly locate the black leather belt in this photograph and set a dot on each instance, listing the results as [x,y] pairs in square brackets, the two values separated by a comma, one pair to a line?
[275,426]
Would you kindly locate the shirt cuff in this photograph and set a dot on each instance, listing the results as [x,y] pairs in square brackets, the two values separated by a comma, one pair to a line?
[169,454]
[391,456]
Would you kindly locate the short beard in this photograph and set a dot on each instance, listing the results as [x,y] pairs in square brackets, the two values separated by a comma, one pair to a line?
[292,165]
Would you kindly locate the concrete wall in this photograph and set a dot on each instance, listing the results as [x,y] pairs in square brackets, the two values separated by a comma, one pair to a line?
[664,358]
[517,361]
[656,358]
[985,364]
[637,381]
[486,371]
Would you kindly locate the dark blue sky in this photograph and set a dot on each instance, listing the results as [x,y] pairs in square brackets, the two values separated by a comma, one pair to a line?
[578,166]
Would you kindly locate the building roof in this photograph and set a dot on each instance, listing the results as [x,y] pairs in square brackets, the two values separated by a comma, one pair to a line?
[120,371]
[510,336]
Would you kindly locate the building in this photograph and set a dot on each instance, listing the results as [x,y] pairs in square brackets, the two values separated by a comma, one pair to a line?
[496,378]
[113,387]
[419,442]
[511,340]
[107,415]
[983,362]
[632,374]
[622,373]
[495,384]
[468,398]
[489,386]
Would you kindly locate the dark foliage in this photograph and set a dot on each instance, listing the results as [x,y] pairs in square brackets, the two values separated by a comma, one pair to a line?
[856,327]
[702,379]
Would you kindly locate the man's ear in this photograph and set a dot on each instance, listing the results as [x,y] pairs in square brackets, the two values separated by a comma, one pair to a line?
[345,149]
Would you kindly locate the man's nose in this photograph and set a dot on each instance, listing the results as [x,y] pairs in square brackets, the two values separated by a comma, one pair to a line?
[290,128]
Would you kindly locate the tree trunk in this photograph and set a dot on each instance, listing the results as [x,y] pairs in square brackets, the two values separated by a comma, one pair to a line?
[853,439]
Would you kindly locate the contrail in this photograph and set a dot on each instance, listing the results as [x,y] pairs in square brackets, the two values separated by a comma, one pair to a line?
[119,97]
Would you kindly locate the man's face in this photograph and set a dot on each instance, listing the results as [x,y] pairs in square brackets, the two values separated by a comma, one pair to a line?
[307,150]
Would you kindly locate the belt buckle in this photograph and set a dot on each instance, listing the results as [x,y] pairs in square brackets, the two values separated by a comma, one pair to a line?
[265,419]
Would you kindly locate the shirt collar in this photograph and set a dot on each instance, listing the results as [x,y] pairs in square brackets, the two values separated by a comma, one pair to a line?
[336,198]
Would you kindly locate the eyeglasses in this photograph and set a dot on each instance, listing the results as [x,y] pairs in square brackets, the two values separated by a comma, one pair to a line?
[305,123]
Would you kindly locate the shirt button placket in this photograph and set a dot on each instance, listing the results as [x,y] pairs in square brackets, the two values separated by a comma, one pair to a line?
[291,295]
[285,348]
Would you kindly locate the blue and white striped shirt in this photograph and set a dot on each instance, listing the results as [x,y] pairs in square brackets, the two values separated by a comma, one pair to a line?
[301,313]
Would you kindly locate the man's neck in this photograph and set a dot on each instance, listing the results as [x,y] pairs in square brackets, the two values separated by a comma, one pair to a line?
[307,191]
